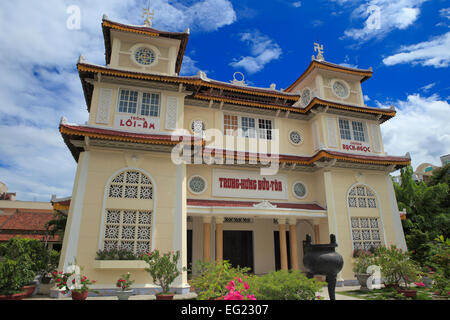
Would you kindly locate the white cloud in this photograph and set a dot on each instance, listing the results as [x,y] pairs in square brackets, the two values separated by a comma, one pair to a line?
[366,98]
[420,127]
[263,51]
[297,4]
[428,87]
[445,13]
[39,82]
[383,16]
[435,52]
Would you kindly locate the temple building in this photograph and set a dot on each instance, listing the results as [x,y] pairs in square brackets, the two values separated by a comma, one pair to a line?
[222,170]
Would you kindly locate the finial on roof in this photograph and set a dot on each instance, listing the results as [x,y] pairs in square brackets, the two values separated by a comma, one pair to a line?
[408,155]
[188,31]
[63,120]
[202,75]
[370,68]
[105,17]
[149,15]
[273,86]
[238,82]
[81,59]
[319,49]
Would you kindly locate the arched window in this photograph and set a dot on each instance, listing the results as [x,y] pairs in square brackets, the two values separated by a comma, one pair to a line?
[126,225]
[361,197]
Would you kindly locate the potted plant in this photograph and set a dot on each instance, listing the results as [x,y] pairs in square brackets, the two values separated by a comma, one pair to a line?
[13,276]
[164,270]
[362,260]
[409,273]
[76,283]
[124,283]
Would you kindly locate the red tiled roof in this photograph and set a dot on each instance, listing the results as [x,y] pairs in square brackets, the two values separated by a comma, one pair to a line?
[231,203]
[32,221]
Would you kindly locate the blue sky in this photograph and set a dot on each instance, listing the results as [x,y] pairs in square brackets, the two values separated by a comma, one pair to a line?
[269,41]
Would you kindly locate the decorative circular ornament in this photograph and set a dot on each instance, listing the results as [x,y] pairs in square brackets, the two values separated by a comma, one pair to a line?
[198,126]
[299,190]
[306,96]
[295,137]
[340,89]
[144,56]
[197,184]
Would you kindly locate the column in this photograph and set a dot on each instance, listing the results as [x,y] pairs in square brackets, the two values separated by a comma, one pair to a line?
[206,239]
[219,239]
[293,243]
[283,246]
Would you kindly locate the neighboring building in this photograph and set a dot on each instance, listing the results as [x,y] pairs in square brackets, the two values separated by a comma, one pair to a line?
[424,171]
[445,160]
[25,219]
[128,193]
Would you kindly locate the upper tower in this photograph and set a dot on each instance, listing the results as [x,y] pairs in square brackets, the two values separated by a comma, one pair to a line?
[143,49]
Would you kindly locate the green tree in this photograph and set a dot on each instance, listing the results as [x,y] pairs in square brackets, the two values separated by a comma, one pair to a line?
[428,214]
[57,225]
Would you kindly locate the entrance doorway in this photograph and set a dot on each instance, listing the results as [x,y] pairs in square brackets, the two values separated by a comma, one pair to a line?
[238,248]
[276,242]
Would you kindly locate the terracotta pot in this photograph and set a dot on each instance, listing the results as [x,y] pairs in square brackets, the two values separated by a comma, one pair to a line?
[16,296]
[408,293]
[391,285]
[165,296]
[29,290]
[80,295]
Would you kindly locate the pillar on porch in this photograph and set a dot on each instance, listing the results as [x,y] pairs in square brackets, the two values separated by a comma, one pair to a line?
[206,239]
[293,243]
[283,246]
[219,239]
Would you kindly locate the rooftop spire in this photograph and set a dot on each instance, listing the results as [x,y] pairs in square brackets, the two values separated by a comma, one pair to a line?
[148,14]
[319,49]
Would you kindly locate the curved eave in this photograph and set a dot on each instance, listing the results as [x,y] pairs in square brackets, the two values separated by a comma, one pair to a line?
[365,74]
[322,155]
[86,70]
[316,102]
[72,131]
[108,25]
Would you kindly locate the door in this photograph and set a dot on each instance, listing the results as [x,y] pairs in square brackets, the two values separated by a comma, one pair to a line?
[238,248]
[189,250]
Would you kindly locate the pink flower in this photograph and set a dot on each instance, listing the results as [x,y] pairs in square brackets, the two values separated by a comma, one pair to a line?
[231,285]
[419,284]
[240,280]
[246,286]
[251,297]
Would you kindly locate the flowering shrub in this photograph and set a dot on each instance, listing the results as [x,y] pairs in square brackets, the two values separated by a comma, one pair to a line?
[238,290]
[124,282]
[68,282]
[212,278]
[162,268]
[362,260]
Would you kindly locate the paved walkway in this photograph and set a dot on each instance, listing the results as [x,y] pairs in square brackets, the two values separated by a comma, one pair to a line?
[192,295]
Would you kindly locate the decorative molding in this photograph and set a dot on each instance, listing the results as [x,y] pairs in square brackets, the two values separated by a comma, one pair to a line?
[171,113]
[331,131]
[104,106]
[265,204]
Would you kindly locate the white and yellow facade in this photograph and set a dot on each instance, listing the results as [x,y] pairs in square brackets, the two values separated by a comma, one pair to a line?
[332,172]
